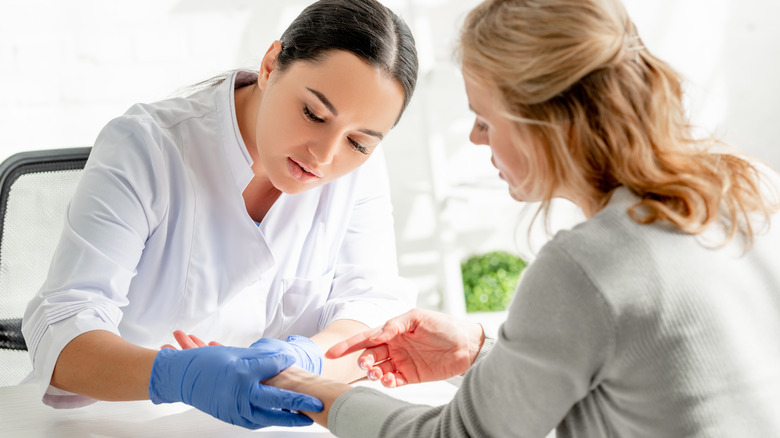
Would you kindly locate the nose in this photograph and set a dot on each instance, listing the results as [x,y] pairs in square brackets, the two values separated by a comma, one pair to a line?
[478,136]
[325,151]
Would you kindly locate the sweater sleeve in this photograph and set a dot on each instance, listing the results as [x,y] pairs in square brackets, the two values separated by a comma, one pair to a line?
[548,354]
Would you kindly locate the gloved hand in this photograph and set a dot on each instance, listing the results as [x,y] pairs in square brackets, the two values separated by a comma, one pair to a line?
[307,354]
[225,383]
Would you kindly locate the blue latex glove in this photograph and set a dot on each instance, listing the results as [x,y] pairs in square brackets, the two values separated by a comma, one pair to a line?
[225,383]
[307,354]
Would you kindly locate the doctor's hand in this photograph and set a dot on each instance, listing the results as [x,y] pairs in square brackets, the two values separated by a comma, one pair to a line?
[418,346]
[225,383]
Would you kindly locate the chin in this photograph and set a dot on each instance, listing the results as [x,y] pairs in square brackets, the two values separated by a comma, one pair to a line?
[521,195]
[516,196]
[293,187]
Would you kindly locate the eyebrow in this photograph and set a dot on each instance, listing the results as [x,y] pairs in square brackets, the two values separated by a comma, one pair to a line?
[324,101]
[372,133]
[335,112]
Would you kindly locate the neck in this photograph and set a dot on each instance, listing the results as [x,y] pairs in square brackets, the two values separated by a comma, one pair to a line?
[259,197]
[586,202]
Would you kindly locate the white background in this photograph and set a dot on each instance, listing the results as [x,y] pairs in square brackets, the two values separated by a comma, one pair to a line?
[67,67]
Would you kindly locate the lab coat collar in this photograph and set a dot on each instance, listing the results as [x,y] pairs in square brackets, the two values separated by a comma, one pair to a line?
[237,156]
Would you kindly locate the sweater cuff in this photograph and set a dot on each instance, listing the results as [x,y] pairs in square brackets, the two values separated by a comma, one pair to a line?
[487,345]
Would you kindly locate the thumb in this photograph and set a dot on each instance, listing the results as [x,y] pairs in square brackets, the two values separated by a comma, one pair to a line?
[269,365]
[275,398]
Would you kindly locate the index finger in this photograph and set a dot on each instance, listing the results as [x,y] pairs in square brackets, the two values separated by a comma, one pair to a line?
[357,342]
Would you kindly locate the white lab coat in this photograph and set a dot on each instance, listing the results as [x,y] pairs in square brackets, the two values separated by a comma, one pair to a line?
[157,238]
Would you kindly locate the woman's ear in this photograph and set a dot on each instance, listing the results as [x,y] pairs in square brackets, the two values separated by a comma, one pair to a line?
[268,65]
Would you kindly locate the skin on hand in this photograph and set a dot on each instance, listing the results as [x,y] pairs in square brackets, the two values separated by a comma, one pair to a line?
[418,346]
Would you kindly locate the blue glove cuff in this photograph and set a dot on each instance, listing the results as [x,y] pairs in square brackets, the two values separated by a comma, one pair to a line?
[309,354]
[167,371]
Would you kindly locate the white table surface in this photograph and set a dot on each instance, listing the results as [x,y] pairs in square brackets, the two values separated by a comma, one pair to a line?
[23,415]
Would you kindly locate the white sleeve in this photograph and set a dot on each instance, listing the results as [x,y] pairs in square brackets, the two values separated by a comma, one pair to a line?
[557,336]
[107,222]
[366,286]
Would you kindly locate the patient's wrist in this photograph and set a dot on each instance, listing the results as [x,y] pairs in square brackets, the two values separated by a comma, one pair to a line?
[476,341]
[299,380]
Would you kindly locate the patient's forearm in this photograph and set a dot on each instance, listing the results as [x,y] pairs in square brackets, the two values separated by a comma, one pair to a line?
[102,365]
[299,380]
[343,369]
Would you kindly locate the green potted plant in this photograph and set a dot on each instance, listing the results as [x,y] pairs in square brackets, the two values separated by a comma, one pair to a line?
[489,280]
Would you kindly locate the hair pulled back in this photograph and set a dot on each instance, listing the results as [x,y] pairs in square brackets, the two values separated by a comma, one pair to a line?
[575,76]
[365,28]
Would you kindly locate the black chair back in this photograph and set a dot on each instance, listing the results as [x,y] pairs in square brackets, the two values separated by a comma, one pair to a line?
[35,188]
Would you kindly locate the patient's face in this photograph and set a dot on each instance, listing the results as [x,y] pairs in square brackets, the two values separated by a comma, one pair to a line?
[508,147]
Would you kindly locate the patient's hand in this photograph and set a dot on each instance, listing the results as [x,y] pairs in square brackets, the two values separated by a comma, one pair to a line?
[418,346]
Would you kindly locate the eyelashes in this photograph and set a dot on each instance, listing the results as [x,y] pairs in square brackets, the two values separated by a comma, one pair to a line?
[309,114]
[358,147]
[480,125]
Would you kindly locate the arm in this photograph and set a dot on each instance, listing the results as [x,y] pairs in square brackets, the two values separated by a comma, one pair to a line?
[106,224]
[344,368]
[92,362]
[71,326]
[221,381]
[301,381]
[548,356]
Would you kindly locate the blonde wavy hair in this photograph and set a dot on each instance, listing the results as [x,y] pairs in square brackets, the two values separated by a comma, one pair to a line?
[575,77]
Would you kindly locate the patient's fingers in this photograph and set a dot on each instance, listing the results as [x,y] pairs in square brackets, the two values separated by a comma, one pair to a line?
[380,370]
[197,341]
[393,380]
[372,356]
[350,345]
[187,341]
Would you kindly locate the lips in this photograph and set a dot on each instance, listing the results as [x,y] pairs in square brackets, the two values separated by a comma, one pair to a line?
[301,172]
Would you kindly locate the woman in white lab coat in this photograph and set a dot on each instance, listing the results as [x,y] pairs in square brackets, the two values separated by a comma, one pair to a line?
[258,206]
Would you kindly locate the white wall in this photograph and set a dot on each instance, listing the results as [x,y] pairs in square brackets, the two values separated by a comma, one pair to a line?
[66,68]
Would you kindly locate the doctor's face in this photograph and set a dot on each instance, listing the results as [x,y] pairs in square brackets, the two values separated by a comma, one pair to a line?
[319,121]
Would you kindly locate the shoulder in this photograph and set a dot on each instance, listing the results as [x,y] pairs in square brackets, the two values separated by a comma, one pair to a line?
[153,130]
[612,237]
[611,255]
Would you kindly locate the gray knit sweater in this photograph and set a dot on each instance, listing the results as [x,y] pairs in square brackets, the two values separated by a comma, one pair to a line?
[616,330]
